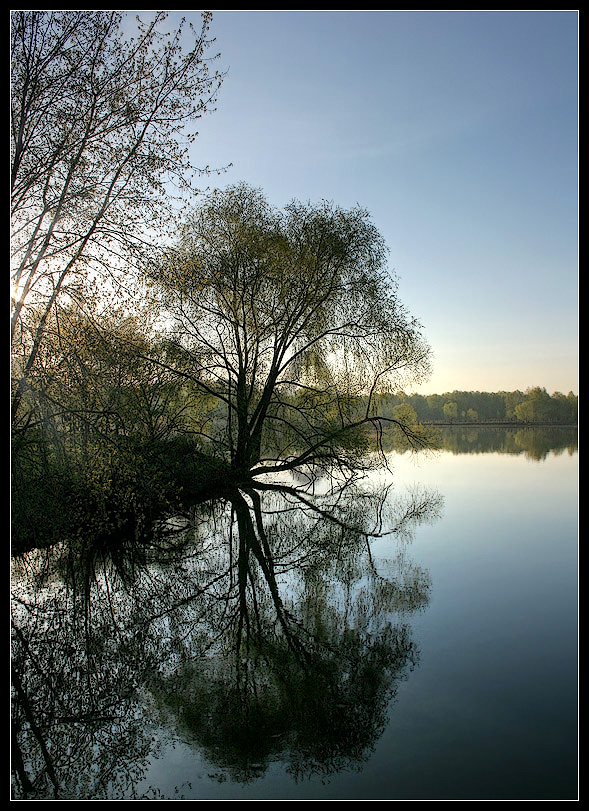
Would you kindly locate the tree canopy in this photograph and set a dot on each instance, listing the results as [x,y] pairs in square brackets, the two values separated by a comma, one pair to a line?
[535,405]
[98,141]
[289,322]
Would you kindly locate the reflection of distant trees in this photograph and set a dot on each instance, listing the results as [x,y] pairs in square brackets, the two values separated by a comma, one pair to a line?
[533,442]
[538,444]
[262,628]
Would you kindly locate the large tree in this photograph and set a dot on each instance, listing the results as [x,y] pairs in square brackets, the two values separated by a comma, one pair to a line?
[98,140]
[290,322]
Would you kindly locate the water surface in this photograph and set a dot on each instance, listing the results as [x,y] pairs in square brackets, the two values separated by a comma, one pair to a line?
[437,662]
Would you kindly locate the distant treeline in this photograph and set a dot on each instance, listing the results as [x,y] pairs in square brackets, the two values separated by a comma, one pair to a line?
[534,405]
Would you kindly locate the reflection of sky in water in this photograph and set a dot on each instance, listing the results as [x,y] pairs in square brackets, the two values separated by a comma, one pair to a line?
[509,525]
[498,670]
[490,711]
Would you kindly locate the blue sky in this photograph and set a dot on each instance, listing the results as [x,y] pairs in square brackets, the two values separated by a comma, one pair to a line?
[457,131]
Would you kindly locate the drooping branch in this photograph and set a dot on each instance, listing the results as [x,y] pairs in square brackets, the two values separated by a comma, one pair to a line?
[317,450]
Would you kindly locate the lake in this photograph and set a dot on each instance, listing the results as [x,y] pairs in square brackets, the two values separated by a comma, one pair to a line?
[411,637]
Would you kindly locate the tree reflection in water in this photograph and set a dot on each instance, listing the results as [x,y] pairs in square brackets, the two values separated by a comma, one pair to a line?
[258,628]
[533,442]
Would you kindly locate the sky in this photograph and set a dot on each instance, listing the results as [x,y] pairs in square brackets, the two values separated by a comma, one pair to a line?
[457,131]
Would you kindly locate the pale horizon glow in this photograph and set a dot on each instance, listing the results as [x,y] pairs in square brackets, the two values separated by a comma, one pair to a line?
[457,131]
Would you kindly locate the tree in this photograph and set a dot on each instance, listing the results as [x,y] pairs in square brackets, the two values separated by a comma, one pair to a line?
[450,410]
[435,404]
[97,141]
[573,402]
[564,407]
[537,407]
[291,322]
[512,400]
[405,413]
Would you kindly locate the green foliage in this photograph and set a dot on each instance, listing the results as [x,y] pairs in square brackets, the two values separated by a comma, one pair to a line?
[534,405]
[450,410]
[539,406]
[97,130]
[290,320]
[102,453]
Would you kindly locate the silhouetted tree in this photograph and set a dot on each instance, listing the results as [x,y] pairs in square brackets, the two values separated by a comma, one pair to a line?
[291,322]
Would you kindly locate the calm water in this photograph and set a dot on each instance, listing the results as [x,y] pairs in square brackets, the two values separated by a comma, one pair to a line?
[439,662]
